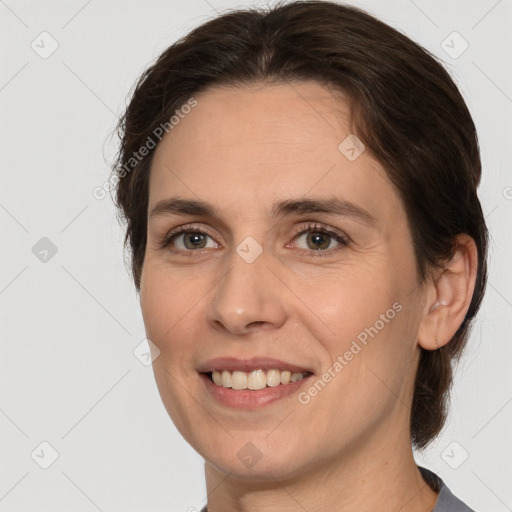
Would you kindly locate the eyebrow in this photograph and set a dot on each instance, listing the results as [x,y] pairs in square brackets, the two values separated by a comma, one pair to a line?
[332,206]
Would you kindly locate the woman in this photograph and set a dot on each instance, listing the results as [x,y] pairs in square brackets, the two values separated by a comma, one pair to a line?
[300,192]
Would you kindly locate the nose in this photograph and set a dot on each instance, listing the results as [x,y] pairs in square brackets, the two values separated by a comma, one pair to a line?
[249,296]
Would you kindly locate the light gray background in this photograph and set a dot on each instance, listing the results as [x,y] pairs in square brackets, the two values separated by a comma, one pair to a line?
[68,375]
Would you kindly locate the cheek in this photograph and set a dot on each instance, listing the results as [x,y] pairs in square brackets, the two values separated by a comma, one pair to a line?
[167,301]
[155,306]
[342,302]
[369,366]
[365,329]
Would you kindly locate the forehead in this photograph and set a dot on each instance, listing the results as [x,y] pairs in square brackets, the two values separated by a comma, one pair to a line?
[291,117]
[261,143]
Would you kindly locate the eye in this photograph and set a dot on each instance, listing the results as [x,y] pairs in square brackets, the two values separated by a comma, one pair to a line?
[315,238]
[193,240]
[188,240]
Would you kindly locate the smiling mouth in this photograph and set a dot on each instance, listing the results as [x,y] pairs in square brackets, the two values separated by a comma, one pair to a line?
[254,380]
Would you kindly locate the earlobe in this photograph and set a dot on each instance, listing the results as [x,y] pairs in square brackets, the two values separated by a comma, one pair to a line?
[449,296]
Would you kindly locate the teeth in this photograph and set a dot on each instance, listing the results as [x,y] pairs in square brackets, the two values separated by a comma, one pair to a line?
[285,377]
[257,379]
[226,379]
[273,378]
[217,378]
[239,380]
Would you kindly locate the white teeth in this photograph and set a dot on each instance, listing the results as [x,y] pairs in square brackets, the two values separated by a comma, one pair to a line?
[217,378]
[226,379]
[257,379]
[239,380]
[273,378]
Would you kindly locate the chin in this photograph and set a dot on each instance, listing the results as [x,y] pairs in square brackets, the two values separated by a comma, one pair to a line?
[248,459]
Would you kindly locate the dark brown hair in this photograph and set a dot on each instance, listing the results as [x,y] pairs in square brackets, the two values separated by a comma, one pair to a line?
[405,108]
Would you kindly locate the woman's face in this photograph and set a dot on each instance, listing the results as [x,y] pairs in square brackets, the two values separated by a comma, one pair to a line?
[303,255]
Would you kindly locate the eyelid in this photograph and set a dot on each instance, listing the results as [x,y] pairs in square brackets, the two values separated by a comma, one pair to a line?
[188,227]
[324,228]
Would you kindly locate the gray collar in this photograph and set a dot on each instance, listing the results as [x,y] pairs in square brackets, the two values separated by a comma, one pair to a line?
[446,502]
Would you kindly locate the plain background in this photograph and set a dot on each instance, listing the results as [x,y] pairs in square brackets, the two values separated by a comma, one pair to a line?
[70,324]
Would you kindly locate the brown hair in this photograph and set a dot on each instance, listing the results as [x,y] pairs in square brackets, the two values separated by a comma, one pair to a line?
[405,108]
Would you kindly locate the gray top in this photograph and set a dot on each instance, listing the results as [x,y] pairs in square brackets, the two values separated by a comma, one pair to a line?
[446,502]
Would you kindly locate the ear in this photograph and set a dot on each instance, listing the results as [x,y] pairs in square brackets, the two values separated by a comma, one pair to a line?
[449,293]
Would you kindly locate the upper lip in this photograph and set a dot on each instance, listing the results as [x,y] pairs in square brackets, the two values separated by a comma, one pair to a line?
[247,365]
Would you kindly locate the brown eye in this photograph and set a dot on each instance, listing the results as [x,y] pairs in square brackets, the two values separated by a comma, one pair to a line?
[190,241]
[317,241]
[194,240]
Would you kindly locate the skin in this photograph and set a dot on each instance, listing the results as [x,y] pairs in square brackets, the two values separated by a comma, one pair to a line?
[348,449]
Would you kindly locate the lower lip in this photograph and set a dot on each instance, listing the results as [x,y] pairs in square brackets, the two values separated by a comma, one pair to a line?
[248,399]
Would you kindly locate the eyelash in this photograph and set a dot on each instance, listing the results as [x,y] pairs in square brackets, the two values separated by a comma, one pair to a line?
[311,227]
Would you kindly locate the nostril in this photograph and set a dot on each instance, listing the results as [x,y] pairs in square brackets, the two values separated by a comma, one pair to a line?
[256,323]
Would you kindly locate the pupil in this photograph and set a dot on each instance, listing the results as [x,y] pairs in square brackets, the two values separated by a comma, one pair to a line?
[319,240]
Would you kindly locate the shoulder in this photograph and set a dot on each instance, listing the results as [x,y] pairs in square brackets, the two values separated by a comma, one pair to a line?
[447,501]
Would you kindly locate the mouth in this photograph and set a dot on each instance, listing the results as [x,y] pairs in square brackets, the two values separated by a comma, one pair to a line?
[252,383]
